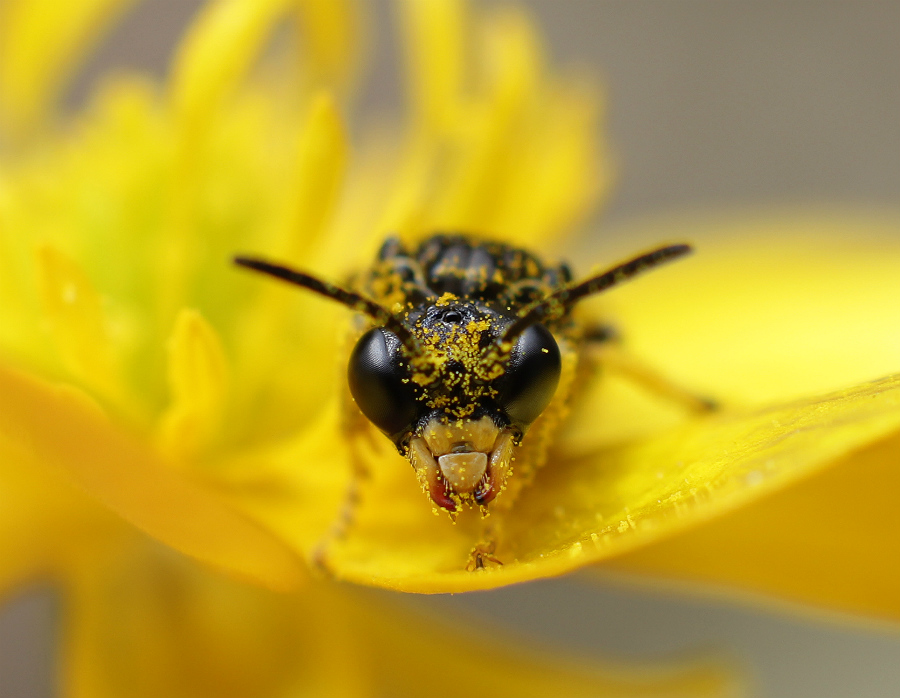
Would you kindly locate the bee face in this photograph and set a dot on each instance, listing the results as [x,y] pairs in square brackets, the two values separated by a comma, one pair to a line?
[458,375]
[458,408]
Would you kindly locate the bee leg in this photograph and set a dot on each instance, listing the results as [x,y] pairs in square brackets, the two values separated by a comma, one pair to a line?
[359,434]
[344,520]
[609,352]
[483,554]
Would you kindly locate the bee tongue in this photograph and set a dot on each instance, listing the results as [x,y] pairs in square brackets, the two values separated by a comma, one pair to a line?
[463,471]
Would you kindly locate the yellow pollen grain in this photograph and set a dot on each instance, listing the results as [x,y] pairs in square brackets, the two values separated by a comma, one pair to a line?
[446,299]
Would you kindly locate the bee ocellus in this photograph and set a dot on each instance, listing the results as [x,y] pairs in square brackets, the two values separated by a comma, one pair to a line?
[465,345]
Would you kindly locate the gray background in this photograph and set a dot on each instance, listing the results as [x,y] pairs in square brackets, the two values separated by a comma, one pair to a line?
[712,105]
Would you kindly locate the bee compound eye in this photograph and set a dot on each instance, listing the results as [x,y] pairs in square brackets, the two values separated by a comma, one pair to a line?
[376,380]
[531,377]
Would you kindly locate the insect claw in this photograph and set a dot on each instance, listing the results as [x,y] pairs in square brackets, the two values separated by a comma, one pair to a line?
[482,557]
[319,561]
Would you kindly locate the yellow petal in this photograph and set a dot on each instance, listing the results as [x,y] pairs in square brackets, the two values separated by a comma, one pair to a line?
[64,429]
[44,521]
[434,42]
[771,307]
[828,541]
[559,171]
[42,42]
[280,320]
[321,161]
[145,623]
[211,61]
[510,153]
[405,208]
[333,39]
[489,133]
[270,325]
[198,377]
[434,36]
[296,488]
[593,507]
[18,333]
[74,310]
[216,54]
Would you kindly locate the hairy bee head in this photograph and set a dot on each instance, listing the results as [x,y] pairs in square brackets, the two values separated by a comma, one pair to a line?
[459,403]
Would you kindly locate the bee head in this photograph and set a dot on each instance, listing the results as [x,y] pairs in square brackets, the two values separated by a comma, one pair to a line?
[457,404]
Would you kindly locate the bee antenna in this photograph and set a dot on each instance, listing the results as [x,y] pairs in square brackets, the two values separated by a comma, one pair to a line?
[560,302]
[351,299]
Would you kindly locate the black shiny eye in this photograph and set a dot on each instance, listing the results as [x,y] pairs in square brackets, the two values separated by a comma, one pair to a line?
[531,377]
[377,384]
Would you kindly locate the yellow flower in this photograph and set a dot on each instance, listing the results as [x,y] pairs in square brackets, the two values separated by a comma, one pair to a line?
[238,457]
[139,373]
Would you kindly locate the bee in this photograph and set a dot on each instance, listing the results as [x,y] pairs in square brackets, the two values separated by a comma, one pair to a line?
[466,359]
